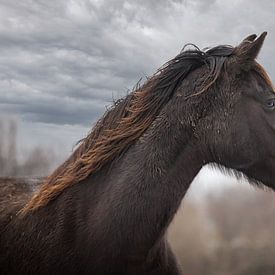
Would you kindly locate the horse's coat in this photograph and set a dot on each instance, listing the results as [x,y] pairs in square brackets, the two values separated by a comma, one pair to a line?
[107,208]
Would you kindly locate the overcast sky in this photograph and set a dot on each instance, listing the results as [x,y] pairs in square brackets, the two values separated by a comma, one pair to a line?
[62,62]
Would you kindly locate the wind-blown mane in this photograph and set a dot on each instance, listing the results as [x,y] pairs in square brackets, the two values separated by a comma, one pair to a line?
[128,119]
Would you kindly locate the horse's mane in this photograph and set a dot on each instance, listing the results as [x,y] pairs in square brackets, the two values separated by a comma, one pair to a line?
[128,119]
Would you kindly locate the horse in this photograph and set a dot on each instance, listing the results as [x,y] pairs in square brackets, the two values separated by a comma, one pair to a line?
[107,208]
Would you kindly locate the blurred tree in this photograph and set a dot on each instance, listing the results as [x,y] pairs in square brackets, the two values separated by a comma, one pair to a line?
[37,162]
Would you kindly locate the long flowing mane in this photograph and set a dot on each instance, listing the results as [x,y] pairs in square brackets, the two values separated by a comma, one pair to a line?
[128,119]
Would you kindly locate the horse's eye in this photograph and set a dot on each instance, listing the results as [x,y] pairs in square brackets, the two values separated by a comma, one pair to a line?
[270,104]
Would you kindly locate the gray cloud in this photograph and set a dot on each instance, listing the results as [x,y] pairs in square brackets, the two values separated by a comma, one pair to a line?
[62,62]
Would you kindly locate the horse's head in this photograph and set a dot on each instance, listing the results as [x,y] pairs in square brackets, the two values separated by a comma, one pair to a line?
[237,125]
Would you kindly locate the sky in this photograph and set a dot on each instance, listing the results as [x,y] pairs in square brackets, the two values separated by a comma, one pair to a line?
[62,62]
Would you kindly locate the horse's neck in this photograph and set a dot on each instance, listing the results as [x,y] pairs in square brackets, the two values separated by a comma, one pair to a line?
[146,186]
[128,205]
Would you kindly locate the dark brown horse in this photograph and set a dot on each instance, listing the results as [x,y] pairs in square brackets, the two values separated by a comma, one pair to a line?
[107,208]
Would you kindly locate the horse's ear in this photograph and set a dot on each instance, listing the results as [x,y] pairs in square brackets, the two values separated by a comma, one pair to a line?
[250,47]
[249,38]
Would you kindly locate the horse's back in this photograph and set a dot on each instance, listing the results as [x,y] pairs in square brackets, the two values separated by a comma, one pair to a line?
[14,193]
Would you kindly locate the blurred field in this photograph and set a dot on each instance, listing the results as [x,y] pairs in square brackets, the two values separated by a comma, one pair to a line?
[231,232]
[227,234]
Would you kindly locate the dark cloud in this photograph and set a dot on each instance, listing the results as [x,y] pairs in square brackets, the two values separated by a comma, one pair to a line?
[62,62]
